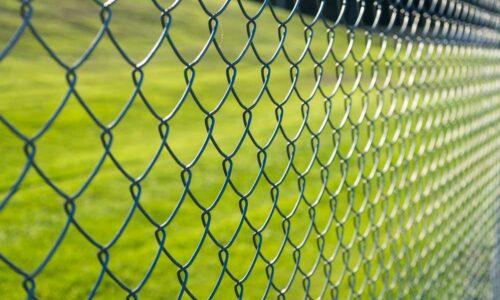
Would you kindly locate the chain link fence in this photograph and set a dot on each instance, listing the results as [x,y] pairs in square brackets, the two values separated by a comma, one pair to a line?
[250,149]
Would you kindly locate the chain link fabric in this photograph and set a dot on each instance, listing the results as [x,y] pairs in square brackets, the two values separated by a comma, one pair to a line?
[411,141]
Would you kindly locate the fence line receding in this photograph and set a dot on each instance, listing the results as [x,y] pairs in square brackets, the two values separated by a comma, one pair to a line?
[251,149]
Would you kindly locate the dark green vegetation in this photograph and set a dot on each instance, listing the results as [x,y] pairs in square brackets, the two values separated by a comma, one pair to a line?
[32,86]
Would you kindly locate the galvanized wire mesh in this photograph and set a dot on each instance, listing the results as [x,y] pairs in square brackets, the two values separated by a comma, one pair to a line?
[387,187]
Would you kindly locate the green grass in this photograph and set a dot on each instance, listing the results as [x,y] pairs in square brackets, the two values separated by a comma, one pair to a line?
[32,86]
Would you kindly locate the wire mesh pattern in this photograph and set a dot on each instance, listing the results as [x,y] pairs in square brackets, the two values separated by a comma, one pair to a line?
[390,191]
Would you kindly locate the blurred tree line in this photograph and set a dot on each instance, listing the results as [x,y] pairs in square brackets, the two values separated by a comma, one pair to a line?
[333,8]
